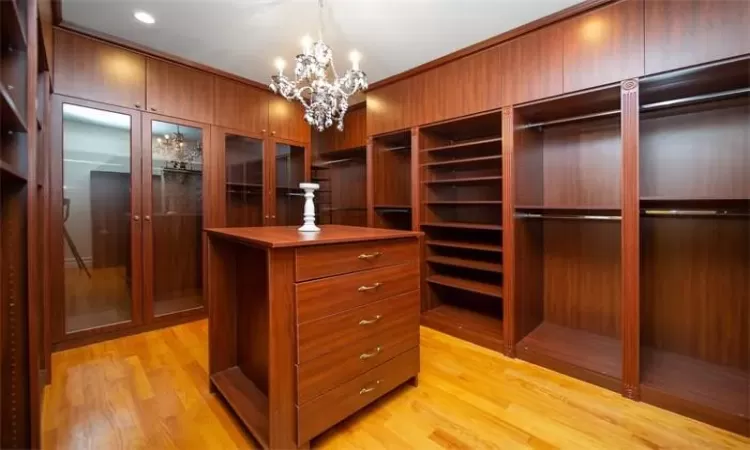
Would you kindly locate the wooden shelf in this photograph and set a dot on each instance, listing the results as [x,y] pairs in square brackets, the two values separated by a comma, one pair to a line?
[466,246]
[467,180]
[461,145]
[463,225]
[396,149]
[250,404]
[467,285]
[9,115]
[462,323]
[709,389]
[13,33]
[587,356]
[465,202]
[478,159]
[567,208]
[466,263]
[392,206]
[9,170]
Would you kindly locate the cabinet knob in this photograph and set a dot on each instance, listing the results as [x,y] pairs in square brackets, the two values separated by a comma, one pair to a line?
[273,217]
[273,133]
[267,217]
[263,130]
[136,218]
[147,218]
[137,105]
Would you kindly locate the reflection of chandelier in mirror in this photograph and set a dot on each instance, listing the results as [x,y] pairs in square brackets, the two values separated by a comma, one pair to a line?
[176,151]
[324,101]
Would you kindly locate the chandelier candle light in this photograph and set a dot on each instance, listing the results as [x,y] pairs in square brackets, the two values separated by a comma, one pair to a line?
[325,100]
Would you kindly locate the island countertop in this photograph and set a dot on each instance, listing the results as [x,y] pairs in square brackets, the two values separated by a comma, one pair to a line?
[280,237]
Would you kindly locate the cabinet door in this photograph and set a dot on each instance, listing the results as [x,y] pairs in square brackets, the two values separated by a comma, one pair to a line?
[240,106]
[289,165]
[603,46]
[355,130]
[286,120]
[91,70]
[683,33]
[178,91]
[100,232]
[532,66]
[173,186]
[388,108]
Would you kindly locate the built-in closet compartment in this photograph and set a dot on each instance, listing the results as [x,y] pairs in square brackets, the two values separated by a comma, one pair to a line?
[342,198]
[461,213]
[695,243]
[567,235]
[391,168]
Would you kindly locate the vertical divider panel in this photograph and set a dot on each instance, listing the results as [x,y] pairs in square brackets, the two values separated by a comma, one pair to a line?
[508,193]
[369,161]
[416,181]
[630,241]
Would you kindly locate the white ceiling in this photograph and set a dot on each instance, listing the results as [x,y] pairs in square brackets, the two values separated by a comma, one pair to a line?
[245,36]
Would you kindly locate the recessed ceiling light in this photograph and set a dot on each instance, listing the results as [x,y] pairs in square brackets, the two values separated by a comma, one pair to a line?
[144,17]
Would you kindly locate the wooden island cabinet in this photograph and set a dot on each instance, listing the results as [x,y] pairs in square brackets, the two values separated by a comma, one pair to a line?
[307,328]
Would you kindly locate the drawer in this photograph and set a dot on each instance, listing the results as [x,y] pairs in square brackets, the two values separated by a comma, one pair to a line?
[336,368]
[323,412]
[328,296]
[385,317]
[329,260]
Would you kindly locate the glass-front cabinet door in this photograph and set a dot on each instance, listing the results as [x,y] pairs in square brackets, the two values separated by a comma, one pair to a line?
[290,169]
[244,181]
[173,215]
[100,238]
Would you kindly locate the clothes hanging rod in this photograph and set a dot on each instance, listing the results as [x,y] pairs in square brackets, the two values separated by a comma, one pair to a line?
[647,107]
[561,216]
[332,162]
[693,212]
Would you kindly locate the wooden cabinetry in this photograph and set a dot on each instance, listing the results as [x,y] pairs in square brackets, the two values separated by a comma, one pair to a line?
[178,91]
[239,106]
[286,120]
[388,108]
[683,33]
[353,136]
[335,327]
[532,66]
[89,69]
[603,46]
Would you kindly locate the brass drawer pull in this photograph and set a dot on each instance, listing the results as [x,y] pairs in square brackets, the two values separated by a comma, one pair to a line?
[365,390]
[369,288]
[371,321]
[369,256]
[375,352]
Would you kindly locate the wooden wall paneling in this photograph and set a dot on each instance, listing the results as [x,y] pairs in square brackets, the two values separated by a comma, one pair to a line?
[387,108]
[355,128]
[681,33]
[630,245]
[47,33]
[89,69]
[603,46]
[370,167]
[178,91]
[509,231]
[532,66]
[286,120]
[240,106]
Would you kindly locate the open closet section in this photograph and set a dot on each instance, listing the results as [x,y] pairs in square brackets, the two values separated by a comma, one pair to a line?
[695,242]
[461,211]
[342,198]
[391,168]
[567,154]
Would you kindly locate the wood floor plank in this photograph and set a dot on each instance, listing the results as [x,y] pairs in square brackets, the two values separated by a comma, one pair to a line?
[151,391]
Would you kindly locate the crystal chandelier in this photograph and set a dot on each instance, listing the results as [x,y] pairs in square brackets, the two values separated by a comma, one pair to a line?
[324,101]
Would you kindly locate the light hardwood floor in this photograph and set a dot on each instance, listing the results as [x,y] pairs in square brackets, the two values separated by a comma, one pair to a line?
[150,391]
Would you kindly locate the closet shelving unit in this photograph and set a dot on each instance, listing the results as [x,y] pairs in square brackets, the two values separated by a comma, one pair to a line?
[695,242]
[321,174]
[461,212]
[391,160]
[567,230]
[343,173]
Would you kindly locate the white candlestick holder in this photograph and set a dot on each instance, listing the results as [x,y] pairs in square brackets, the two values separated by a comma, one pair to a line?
[308,215]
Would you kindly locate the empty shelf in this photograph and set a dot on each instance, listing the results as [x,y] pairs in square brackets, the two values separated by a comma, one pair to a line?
[465,202]
[462,323]
[466,245]
[478,287]
[249,402]
[10,118]
[466,180]
[578,353]
[9,170]
[466,263]
[464,144]
[478,159]
[466,226]
[709,386]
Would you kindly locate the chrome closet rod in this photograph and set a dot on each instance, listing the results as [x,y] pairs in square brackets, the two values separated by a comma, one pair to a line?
[560,216]
[332,162]
[647,107]
[691,212]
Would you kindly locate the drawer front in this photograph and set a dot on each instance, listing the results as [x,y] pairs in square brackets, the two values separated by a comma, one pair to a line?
[318,415]
[329,260]
[378,319]
[328,296]
[336,368]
